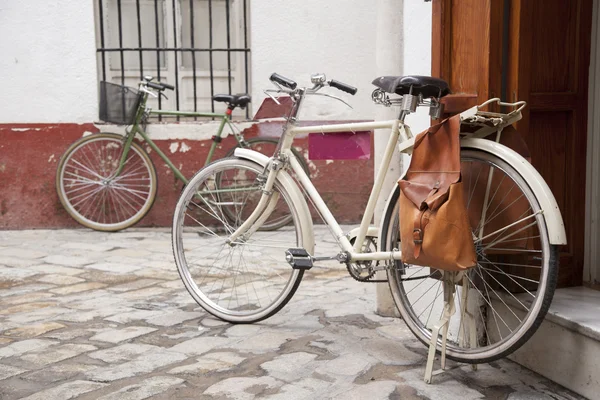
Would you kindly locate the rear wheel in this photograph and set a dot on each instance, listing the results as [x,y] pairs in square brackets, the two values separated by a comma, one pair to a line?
[91,192]
[501,302]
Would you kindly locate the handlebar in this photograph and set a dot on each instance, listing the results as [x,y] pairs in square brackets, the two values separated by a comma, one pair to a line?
[282,80]
[318,80]
[160,86]
[343,87]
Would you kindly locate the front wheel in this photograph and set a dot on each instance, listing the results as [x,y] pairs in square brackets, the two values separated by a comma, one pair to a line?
[242,282]
[91,191]
[500,302]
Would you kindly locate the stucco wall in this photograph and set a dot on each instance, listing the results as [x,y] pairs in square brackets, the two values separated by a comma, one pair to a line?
[49,58]
[50,82]
[417,51]
[48,62]
[297,38]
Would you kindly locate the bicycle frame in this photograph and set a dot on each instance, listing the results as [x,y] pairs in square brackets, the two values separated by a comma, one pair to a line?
[398,129]
[137,129]
[401,135]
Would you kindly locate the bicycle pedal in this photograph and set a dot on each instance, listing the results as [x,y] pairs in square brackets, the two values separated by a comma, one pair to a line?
[299,258]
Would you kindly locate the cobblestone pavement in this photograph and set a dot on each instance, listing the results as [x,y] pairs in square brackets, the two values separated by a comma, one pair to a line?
[92,315]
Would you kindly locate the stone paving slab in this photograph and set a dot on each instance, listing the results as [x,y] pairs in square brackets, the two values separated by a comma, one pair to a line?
[92,315]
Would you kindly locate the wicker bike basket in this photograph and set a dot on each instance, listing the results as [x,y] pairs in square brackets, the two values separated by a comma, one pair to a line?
[118,104]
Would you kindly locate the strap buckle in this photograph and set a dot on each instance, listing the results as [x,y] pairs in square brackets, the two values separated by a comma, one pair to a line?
[417,236]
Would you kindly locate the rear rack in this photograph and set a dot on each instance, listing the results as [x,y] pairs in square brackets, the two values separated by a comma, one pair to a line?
[475,123]
[481,123]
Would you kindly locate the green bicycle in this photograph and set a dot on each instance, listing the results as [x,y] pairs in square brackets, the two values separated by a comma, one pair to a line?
[108,182]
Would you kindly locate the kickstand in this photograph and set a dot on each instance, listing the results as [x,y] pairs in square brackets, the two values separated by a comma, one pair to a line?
[468,320]
[443,324]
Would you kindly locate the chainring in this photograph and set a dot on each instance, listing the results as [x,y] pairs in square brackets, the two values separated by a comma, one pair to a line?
[363,271]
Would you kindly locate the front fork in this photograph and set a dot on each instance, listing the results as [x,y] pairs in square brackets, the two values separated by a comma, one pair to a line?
[266,205]
[126,146]
[142,114]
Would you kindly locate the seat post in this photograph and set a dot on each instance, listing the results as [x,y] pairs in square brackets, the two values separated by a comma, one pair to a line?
[409,105]
[403,114]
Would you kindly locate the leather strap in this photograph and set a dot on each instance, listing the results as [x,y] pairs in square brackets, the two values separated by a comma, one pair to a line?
[422,221]
[418,231]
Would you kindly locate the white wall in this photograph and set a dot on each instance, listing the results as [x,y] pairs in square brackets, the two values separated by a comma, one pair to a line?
[297,38]
[48,62]
[48,49]
[408,33]
[417,51]
[412,30]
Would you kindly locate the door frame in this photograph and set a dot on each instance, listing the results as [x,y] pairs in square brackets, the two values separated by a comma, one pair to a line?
[591,269]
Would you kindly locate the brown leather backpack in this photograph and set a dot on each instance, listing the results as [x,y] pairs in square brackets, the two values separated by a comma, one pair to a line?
[434,226]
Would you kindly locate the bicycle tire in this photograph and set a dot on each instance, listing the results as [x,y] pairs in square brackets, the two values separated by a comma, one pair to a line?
[94,199]
[267,147]
[209,266]
[483,282]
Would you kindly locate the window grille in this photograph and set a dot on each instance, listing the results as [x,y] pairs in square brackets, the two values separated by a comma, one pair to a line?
[199,46]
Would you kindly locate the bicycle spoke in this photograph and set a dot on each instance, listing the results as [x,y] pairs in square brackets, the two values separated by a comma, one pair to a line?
[473,192]
[420,283]
[510,264]
[435,297]
[507,291]
[515,250]
[94,173]
[89,191]
[494,313]
[487,285]
[424,293]
[246,277]
[501,240]
[501,230]
[513,277]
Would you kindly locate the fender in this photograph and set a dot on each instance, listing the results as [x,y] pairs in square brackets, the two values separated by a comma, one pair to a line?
[539,187]
[296,196]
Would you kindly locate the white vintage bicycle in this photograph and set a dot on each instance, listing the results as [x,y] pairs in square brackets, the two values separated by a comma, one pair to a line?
[243,275]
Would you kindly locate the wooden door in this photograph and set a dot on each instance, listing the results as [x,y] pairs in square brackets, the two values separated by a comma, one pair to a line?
[533,51]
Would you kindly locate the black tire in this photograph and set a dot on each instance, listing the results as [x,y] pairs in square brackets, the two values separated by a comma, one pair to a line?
[496,291]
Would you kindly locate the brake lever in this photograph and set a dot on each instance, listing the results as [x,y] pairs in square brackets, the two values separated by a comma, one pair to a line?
[150,92]
[333,97]
[273,98]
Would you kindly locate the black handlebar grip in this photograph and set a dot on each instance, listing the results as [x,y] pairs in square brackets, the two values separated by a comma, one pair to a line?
[156,86]
[160,86]
[343,87]
[282,80]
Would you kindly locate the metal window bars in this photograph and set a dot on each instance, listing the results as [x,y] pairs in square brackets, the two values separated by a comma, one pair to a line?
[160,51]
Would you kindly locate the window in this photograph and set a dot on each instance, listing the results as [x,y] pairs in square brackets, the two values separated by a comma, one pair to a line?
[199,46]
